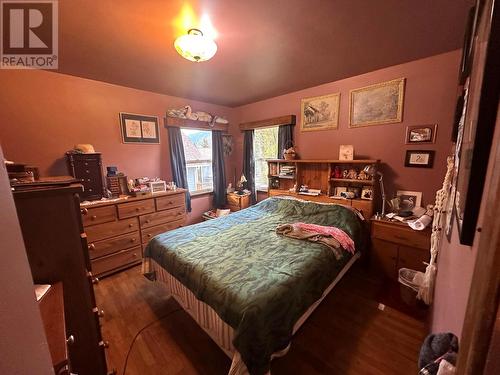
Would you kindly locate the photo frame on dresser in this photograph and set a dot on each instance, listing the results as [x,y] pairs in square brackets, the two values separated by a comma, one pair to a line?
[140,129]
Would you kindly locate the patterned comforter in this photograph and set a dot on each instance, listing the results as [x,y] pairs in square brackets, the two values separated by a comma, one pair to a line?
[258,282]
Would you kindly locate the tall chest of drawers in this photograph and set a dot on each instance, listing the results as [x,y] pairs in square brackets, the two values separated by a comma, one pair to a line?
[118,231]
[87,168]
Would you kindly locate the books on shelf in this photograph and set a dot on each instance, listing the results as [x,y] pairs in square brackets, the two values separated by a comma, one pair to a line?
[287,170]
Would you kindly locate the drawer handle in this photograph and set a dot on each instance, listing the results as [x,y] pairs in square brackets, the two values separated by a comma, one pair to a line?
[84,211]
[93,217]
[91,246]
[70,340]
[100,313]
[104,344]
[131,225]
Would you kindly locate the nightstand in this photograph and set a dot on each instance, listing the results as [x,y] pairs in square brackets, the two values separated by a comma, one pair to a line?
[395,245]
[236,202]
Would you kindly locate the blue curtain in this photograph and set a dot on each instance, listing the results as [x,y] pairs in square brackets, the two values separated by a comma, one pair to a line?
[285,139]
[218,171]
[178,161]
[249,163]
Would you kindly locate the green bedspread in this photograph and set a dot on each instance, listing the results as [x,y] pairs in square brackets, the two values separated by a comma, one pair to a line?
[258,282]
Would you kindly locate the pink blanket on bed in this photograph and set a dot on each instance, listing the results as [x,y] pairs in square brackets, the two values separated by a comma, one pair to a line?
[345,241]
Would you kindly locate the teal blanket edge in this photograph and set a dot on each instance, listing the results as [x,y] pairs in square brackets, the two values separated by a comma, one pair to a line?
[258,282]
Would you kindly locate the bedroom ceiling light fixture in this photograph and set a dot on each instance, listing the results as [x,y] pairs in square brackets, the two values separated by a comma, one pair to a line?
[194,46]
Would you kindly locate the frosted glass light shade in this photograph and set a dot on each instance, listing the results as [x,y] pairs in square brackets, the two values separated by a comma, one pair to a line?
[194,46]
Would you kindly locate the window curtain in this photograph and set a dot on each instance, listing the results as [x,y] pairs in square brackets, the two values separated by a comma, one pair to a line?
[178,161]
[218,171]
[285,139]
[249,163]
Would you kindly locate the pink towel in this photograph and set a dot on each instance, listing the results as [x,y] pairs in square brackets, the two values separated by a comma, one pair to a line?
[345,241]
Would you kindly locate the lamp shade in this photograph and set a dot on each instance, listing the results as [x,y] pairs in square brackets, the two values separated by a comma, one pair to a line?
[194,46]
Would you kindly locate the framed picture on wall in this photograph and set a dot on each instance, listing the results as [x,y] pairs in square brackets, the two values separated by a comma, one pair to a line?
[320,113]
[419,158]
[139,128]
[420,134]
[377,104]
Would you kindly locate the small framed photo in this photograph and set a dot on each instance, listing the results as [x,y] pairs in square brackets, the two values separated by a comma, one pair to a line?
[139,128]
[419,158]
[367,193]
[408,200]
[346,152]
[419,134]
[339,190]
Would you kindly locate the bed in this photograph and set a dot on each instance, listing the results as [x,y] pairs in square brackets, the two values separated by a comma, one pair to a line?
[247,287]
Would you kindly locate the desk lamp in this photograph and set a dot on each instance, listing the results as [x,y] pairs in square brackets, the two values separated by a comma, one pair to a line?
[371,170]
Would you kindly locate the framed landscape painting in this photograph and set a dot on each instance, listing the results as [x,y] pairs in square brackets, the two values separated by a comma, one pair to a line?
[377,104]
[320,113]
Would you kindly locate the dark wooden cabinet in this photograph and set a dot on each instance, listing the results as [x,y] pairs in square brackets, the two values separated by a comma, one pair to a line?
[56,247]
[395,245]
[87,168]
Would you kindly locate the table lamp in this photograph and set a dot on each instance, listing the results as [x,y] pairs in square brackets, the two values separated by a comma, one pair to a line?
[371,170]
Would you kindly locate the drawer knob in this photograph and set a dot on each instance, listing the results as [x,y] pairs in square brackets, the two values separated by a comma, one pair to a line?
[137,208]
[148,221]
[131,225]
[70,340]
[84,211]
[91,246]
[170,202]
[93,217]
[179,213]
[100,313]
[104,344]
[149,234]
[87,171]
[132,240]
[134,255]
[95,280]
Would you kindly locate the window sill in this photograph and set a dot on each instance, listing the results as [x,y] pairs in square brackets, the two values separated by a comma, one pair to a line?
[200,193]
[262,190]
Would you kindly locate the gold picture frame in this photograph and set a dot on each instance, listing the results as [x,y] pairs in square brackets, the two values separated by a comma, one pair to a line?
[377,104]
[320,112]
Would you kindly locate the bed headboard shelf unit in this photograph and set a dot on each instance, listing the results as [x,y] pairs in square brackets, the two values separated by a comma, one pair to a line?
[284,175]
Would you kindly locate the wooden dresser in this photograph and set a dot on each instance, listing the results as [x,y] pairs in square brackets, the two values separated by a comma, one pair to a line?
[236,202]
[56,247]
[395,245]
[87,168]
[118,231]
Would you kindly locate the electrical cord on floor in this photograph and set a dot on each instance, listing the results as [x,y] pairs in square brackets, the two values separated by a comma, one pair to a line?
[142,330]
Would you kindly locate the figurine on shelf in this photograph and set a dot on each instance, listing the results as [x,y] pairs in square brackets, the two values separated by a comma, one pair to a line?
[337,172]
[363,176]
[345,173]
[352,174]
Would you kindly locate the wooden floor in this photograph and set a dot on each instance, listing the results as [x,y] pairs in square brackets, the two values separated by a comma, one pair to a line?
[347,334]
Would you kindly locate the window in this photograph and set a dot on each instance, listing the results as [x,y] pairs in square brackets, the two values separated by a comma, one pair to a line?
[198,153]
[265,146]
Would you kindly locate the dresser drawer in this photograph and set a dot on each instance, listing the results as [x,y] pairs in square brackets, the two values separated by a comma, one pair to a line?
[161,217]
[98,215]
[149,233]
[113,245]
[401,235]
[170,201]
[114,228]
[136,208]
[117,260]
[233,199]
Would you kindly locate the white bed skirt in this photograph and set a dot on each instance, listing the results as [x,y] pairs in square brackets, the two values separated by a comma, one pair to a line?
[212,324]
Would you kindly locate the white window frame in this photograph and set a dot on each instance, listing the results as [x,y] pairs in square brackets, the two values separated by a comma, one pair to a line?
[199,164]
[265,187]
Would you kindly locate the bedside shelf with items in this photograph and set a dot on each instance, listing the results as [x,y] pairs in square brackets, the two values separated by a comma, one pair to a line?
[287,176]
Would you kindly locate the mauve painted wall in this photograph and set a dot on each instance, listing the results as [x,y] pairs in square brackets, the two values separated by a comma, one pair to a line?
[44,114]
[430,97]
